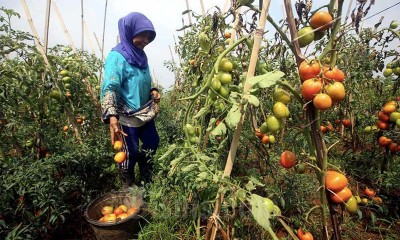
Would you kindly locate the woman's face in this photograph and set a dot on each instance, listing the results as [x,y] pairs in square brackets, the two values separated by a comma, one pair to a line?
[142,39]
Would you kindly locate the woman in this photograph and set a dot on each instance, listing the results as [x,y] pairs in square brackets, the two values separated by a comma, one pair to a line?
[126,88]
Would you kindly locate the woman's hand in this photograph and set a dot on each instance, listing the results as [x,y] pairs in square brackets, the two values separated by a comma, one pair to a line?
[115,130]
[156,95]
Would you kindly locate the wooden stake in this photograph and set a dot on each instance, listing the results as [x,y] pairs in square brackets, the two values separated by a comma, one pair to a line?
[102,41]
[88,37]
[202,7]
[213,224]
[189,13]
[71,43]
[37,39]
[46,27]
[83,28]
[97,40]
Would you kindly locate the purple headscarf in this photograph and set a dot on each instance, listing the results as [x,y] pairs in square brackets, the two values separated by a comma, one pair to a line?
[130,26]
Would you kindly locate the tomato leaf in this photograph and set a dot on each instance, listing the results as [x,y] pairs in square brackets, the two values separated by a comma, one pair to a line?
[219,130]
[260,211]
[233,116]
[253,100]
[266,80]
[203,111]
[250,186]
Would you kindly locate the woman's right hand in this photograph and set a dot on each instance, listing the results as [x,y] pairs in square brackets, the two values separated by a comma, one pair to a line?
[115,130]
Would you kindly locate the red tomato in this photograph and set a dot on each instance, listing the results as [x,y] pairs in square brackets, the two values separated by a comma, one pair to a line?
[321,19]
[309,70]
[288,159]
[333,74]
[383,116]
[341,196]
[382,125]
[335,181]
[304,235]
[310,88]
[322,101]
[346,122]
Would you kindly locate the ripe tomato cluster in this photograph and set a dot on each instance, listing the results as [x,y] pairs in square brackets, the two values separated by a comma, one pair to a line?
[336,183]
[388,116]
[120,156]
[323,86]
[112,215]
[319,23]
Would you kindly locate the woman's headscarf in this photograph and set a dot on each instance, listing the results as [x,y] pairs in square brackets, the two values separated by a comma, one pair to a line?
[128,27]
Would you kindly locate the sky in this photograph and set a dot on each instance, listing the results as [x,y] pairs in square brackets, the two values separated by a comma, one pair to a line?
[166,16]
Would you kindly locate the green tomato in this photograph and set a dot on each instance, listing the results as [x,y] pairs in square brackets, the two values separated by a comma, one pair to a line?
[264,128]
[280,110]
[306,36]
[55,94]
[271,139]
[387,72]
[352,205]
[215,84]
[301,168]
[28,143]
[273,123]
[224,91]
[269,205]
[393,25]
[281,95]
[190,129]
[396,71]
[224,77]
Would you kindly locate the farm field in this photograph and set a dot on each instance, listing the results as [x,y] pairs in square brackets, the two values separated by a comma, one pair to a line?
[273,129]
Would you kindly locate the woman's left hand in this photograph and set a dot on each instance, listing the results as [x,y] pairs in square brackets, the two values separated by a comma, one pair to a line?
[156,95]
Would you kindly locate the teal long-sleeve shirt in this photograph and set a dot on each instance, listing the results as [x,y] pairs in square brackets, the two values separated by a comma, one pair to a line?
[125,88]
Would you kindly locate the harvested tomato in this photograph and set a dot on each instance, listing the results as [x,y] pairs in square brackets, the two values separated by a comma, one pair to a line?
[120,157]
[310,88]
[335,181]
[309,69]
[288,159]
[321,19]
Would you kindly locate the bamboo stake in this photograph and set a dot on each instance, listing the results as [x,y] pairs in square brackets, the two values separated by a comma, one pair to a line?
[46,27]
[97,40]
[226,6]
[36,39]
[83,28]
[102,42]
[88,37]
[175,69]
[202,7]
[104,31]
[213,224]
[71,43]
[189,13]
